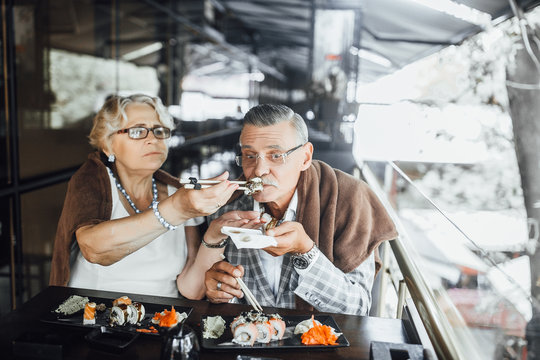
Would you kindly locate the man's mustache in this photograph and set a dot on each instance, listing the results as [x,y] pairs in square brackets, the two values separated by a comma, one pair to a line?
[267,181]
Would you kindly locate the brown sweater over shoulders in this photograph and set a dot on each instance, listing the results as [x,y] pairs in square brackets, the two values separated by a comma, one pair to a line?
[342,215]
[88,202]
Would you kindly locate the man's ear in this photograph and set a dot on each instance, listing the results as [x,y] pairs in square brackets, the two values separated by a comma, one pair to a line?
[308,156]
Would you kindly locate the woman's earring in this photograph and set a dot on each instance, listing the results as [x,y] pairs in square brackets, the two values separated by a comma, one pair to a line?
[111,158]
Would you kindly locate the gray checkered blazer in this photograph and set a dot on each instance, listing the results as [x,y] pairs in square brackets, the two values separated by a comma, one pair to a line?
[325,287]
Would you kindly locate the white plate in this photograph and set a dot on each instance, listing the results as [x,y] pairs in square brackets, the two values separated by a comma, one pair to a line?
[248,238]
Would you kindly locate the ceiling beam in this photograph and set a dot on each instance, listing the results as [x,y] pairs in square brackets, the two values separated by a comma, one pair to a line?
[408,40]
[211,37]
[264,15]
[266,3]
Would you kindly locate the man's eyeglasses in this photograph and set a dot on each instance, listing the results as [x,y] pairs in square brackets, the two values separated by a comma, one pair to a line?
[249,160]
[141,132]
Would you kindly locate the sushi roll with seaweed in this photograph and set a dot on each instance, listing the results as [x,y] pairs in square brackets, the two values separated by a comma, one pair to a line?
[278,326]
[240,319]
[245,334]
[265,331]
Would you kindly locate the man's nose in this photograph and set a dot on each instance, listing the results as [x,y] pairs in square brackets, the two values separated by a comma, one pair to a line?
[261,167]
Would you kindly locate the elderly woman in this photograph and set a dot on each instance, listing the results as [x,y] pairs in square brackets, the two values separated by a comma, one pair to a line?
[125,225]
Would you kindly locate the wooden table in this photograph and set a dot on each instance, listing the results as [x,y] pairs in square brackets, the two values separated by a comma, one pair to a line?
[359,330]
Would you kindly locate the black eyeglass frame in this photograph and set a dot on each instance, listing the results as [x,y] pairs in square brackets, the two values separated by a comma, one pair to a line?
[167,132]
[238,158]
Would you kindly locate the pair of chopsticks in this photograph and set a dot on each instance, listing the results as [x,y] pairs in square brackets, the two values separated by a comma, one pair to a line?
[248,294]
[193,183]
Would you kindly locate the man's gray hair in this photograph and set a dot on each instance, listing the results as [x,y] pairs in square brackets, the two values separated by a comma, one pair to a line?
[267,114]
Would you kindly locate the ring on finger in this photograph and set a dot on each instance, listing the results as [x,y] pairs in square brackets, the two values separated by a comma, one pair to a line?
[219,286]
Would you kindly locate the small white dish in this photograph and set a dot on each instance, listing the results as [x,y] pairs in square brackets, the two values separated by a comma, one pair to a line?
[248,238]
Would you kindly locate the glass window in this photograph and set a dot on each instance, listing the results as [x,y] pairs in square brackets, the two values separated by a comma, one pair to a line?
[40,213]
[70,56]
[5,255]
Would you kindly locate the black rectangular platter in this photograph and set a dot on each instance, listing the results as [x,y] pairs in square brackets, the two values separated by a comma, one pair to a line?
[224,342]
[102,318]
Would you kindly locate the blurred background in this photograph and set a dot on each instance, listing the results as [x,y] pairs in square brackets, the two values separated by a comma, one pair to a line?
[434,103]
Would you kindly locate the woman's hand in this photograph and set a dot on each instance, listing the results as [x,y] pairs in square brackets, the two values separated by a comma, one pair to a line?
[247,219]
[192,203]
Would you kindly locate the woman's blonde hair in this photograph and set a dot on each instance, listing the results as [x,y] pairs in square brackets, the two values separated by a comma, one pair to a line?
[112,117]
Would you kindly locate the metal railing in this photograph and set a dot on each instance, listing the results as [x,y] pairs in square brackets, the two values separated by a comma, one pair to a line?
[441,333]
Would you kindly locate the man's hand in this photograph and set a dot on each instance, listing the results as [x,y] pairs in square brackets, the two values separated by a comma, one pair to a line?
[222,275]
[247,219]
[291,238]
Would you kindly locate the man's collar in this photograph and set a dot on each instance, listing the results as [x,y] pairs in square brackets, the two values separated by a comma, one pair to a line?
[290,213]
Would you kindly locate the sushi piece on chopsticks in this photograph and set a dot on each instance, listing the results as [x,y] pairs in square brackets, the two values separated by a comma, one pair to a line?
[249,187]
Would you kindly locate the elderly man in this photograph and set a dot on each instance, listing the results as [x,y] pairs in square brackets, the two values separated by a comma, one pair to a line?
[329,224]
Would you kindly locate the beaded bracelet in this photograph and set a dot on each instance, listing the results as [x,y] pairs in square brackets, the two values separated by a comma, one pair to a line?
[160,218]
[219,245]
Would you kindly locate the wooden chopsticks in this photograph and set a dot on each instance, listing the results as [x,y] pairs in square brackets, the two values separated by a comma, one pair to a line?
[209,182]
[248,294]
[193,183]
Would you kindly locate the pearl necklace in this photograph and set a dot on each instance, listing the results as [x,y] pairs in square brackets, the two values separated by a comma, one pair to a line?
[128,198]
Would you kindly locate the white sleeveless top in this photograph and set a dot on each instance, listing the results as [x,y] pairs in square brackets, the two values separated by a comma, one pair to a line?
[151,270]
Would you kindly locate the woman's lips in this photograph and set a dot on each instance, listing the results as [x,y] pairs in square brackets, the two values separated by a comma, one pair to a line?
[154,153]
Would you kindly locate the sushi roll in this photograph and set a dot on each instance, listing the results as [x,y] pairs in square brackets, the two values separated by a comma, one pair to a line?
[136,314]
[246,316]
[240,319]
[124,300]
[245,334]
[89,316]
[254,315]
[132,315]
[265,331]
[139,308]
[278,326]
[120,315]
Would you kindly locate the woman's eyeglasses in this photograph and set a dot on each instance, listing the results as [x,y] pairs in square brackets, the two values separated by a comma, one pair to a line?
[250,160]
[141,132]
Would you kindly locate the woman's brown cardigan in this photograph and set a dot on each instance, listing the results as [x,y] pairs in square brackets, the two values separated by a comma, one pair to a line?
[88,202]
